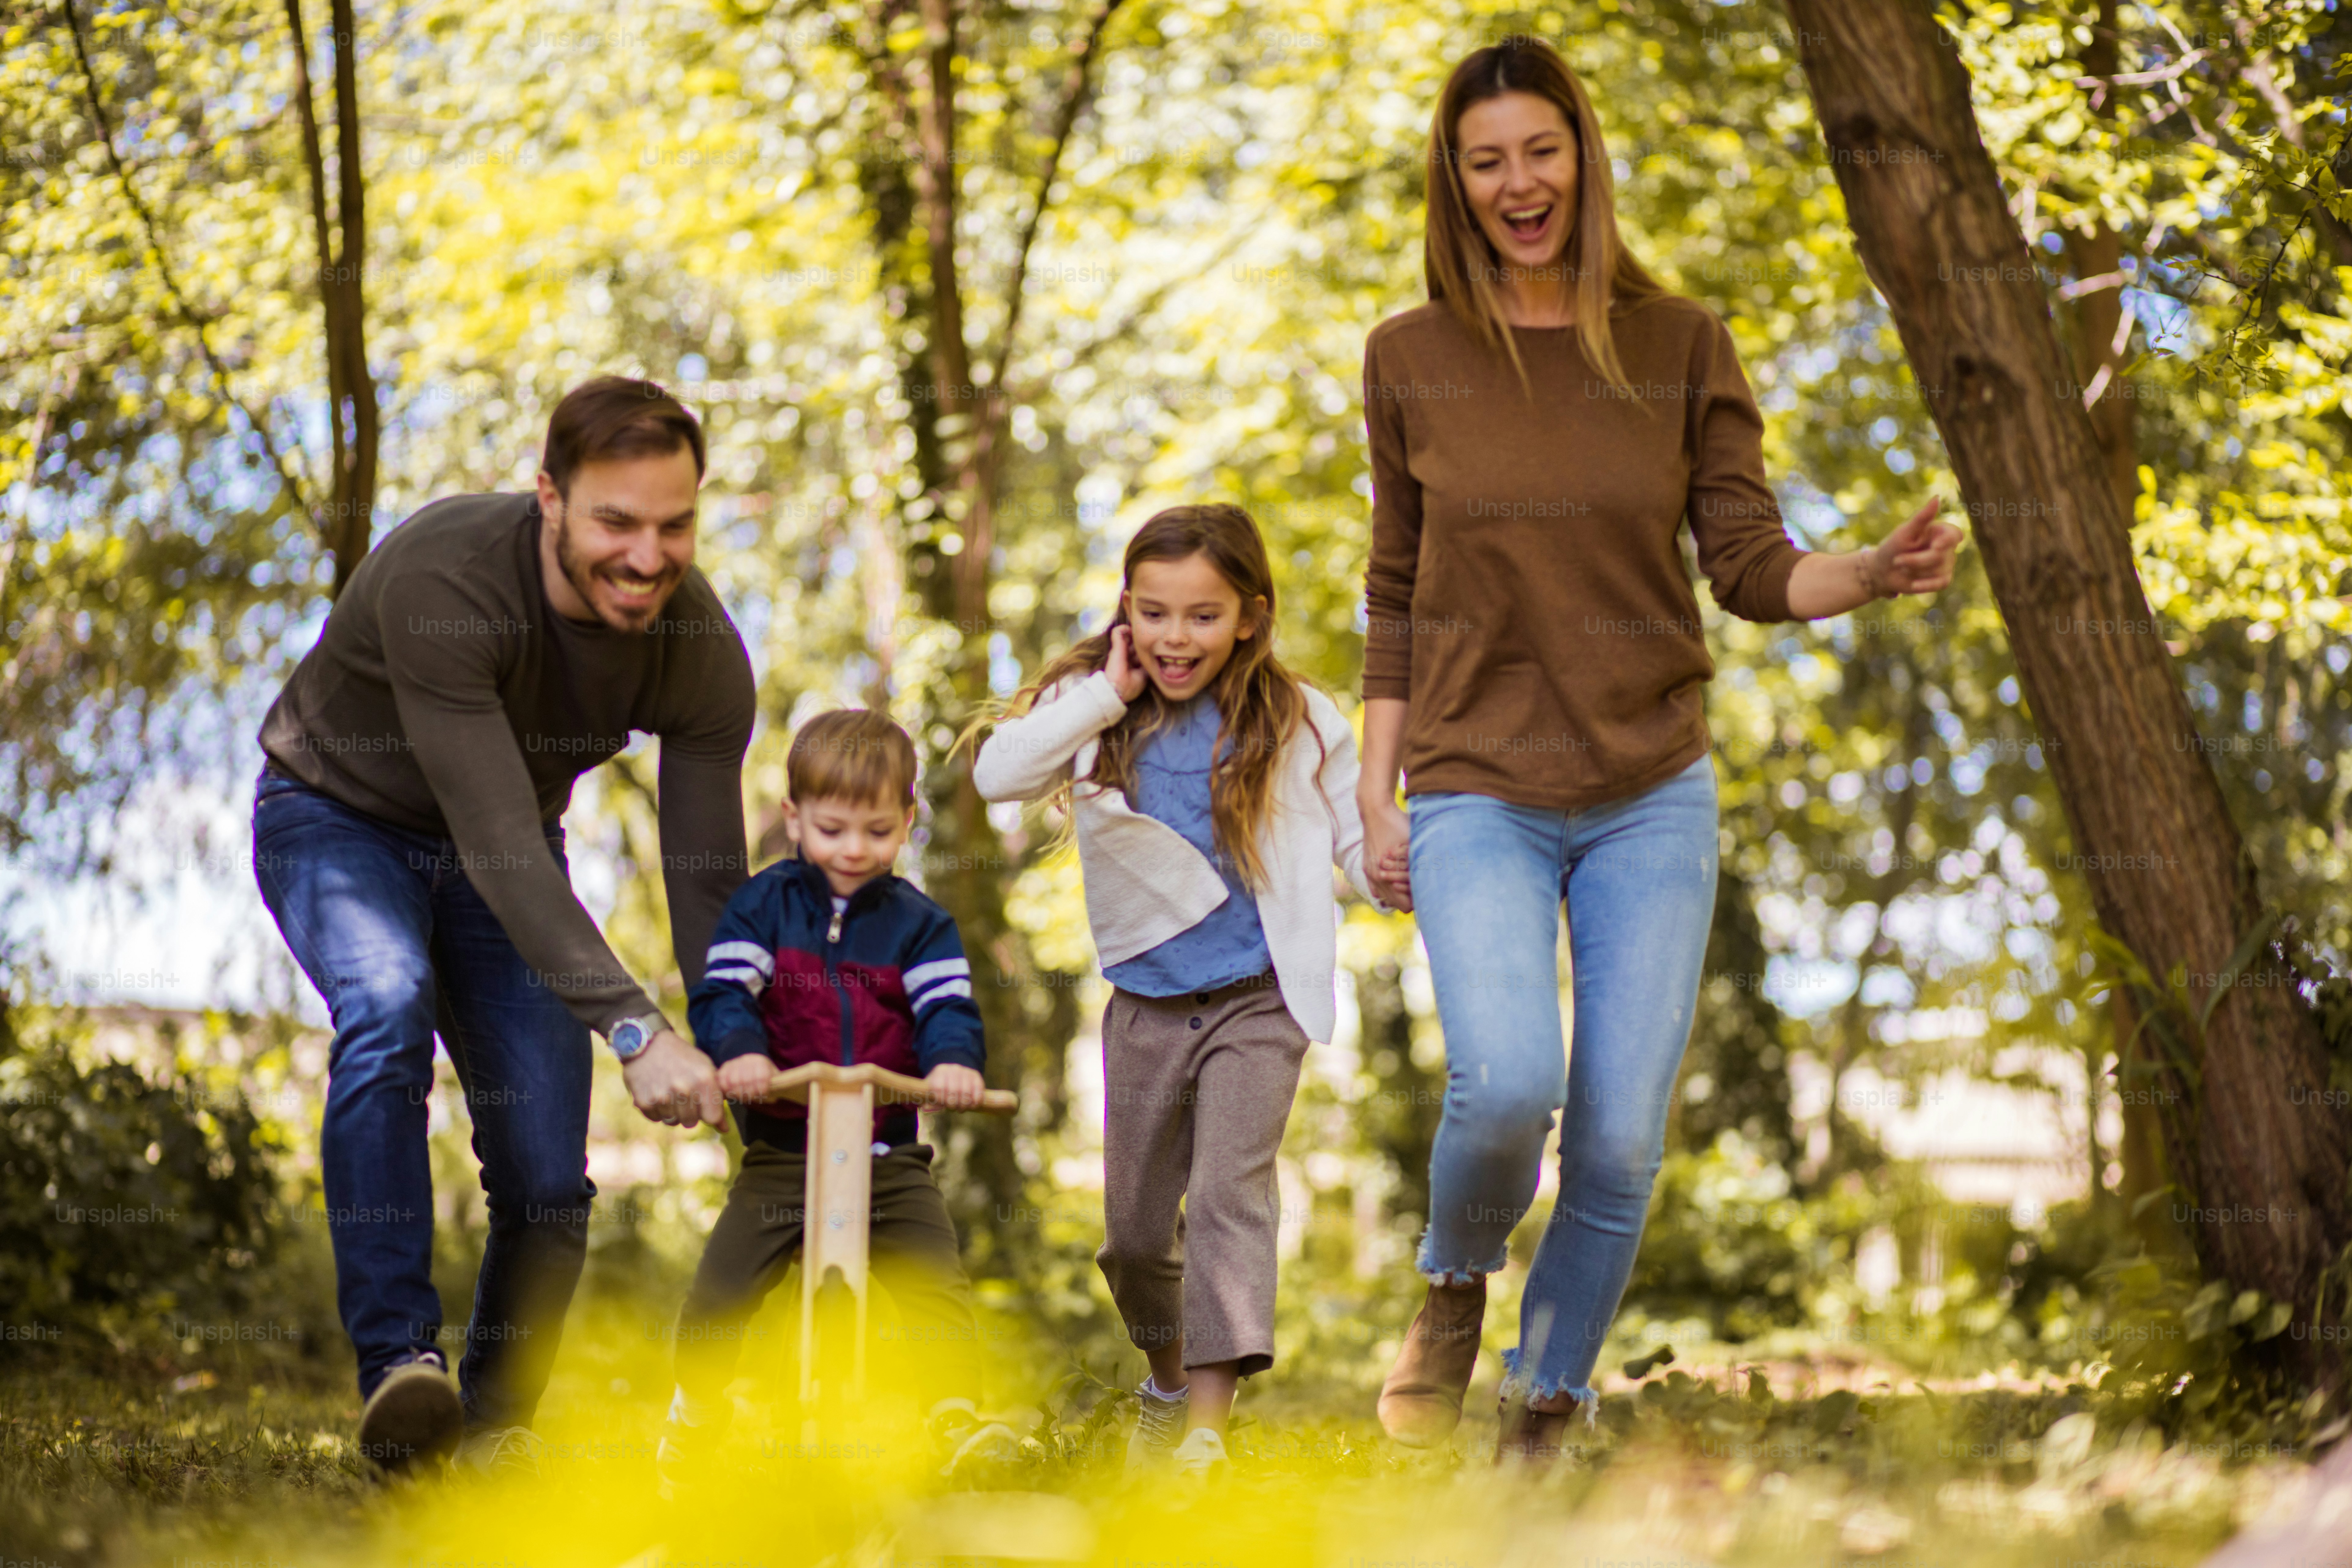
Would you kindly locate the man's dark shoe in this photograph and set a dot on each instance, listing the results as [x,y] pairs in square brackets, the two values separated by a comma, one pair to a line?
[413,1420]
[1420,1402]
[503,1453]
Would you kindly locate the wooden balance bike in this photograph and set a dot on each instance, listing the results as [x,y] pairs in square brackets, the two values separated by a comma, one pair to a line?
[838,1207]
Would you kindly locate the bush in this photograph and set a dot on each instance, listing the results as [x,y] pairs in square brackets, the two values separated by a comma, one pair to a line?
[1730,1243]
[123,1202]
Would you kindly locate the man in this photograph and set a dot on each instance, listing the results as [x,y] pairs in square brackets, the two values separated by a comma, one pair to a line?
[408,841]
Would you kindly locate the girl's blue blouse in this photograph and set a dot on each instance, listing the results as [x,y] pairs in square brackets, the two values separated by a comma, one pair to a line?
[1171,785]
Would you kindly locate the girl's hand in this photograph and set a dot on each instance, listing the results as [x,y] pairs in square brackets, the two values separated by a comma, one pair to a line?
[1916,558]
[1388,837]
[953,1086]
[746,1078]
[1126,674]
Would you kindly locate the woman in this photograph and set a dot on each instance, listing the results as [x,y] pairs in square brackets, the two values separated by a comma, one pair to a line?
[1534,663]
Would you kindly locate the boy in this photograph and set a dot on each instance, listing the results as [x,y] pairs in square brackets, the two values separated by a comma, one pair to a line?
[830,957]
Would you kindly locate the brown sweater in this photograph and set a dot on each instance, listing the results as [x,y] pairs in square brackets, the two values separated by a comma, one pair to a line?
[1528,594]
[447,696]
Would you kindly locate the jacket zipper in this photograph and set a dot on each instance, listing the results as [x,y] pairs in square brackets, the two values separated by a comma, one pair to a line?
[833,976]
[832,969]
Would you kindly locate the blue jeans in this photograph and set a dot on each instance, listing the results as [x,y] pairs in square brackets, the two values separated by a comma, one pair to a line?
[1488,877]
[389,928]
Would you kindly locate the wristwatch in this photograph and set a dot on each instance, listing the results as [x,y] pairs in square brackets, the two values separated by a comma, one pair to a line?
[630,1036]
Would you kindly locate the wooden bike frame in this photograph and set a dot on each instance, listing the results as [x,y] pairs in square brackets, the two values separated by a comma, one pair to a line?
[838,1204]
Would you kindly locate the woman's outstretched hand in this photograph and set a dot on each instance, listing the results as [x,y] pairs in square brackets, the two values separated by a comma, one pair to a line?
[1126,674]
[1916,558]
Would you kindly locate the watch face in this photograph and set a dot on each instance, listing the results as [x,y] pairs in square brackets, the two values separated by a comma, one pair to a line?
[629,1039]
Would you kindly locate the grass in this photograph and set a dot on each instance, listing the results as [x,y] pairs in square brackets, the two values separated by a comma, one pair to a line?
[248,1466]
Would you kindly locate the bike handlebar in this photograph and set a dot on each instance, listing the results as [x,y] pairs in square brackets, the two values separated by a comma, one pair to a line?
[889,1087]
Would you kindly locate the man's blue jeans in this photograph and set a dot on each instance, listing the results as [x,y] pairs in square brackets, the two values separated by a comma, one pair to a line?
[1638,875]
[389,928]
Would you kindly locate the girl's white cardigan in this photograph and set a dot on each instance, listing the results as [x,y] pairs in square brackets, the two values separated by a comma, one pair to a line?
[1146,882]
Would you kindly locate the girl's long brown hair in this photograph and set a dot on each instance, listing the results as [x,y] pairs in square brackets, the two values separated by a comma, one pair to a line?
[1260,703]
[1459,264]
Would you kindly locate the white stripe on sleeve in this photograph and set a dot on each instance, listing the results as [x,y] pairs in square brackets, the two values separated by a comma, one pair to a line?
[742,974]
[922,975]
[941,991]
[750,952]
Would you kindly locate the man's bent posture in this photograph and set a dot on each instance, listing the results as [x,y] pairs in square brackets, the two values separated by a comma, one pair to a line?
[408,839]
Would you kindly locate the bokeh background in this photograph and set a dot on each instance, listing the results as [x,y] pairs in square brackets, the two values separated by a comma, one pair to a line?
[951,349]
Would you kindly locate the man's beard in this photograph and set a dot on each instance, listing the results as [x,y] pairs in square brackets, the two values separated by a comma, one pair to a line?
[582,579]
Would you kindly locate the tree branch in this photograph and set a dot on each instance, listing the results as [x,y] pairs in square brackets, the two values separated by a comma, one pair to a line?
[2270,273]
[347,327]
[1085,353]
[195,323]
[1077,86]
[314,160]
[2257,72]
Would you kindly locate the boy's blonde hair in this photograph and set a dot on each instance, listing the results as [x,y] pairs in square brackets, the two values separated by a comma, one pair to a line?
[850,754]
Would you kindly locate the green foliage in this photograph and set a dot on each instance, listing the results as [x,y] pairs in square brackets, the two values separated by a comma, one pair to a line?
[125,1203]
[723,197]
[1225,227]
[2200,1363]
[1736,1068]
[1732,1247]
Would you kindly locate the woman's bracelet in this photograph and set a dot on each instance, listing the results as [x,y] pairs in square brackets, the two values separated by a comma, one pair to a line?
[1874,578]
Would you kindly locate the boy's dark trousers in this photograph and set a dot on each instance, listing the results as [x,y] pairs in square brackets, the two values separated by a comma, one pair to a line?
[914,1253]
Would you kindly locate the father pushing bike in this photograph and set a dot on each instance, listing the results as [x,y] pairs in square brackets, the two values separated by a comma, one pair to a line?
[408,841]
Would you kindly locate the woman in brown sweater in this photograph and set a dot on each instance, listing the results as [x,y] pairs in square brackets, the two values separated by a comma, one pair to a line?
[1539,431]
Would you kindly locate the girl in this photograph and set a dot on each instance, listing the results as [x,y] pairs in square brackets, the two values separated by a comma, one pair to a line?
[1211,791]
[1552,733]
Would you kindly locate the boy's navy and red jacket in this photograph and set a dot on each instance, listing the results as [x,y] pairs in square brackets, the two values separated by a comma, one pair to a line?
[885,983]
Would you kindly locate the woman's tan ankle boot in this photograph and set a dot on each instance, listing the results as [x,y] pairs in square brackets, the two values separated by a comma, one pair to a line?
[1420,1402]
[1531,1432]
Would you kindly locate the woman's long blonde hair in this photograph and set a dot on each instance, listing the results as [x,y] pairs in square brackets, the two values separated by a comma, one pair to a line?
[1260,703]
[1459,264]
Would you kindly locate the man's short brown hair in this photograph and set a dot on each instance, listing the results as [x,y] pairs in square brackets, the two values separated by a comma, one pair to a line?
[853,754]
[616,417]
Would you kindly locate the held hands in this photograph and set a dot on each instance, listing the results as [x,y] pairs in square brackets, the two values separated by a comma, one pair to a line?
[1916,558]
[1387,858]
[1126,674]
[671,1082]
[954,1088]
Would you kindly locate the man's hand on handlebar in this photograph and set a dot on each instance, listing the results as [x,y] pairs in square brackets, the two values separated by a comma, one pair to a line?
[954,1088]
[671,1082]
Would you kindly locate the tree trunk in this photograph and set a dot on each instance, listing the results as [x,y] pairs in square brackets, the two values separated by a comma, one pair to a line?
[915,238]
[2168,875]
[959,427]
[2099,358]
[354,484]
[2101,349]
[352,418]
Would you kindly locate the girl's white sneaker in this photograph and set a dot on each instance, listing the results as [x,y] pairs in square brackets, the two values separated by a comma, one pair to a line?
[1159,1423]
[1201,1454]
